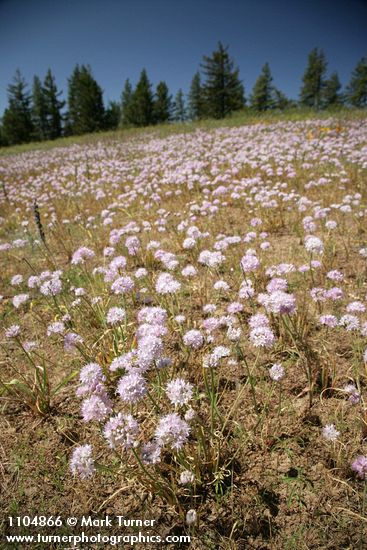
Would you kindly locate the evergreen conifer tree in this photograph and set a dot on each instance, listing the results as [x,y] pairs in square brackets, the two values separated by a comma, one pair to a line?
[85,102]
[179,108]
[3,142]
[2,139]
[313,80]
[112,115]
[162,104]
[196,98]
[223,90]
[281,101]
[141,106]
[17,119]
[331,95]
[53,107]
[357,87]
[262,97]
[126,98]
[39,111]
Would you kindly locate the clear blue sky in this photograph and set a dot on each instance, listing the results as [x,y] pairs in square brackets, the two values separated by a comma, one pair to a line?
[168,37]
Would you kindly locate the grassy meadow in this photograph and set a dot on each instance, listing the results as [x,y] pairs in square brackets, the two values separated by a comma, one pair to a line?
[184,333]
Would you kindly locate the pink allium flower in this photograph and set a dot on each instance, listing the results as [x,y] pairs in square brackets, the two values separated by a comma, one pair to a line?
[115,315]
[71,339]
[276,372]
[354,395]
[83,253]
[330,433]
[255,222]
[359,466]
[132,244]
[262,337]
[212,360]
[356,307]
[277,284]
[126,361]
[150,349]
[350,322]
[51,287]
[249,263]
[96,407]
[211,259]
[246,290]
[150,330]
[279,302]
[121,431]
[180,319]
[194,339]
[166,284]
[117,263]
[151,452]
[314,244]
[331,224]
[334,294]
[318,294]
[108,251]
[132,387]
[122,285]
[57,327]
[234,307]
[152,315]
[179,392]
[189,271]
[91,376]
[186,477]
[172,430]
[33,281]
[189,243]
[20,299]
[81,462]
[30,345]
[221,285]
[191,517]
[13,331]
[258,320]
[234,334]
[335,275]
[328,320]
[16,280]
[141,272]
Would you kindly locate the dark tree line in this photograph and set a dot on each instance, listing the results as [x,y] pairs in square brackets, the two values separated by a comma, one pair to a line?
[216,91]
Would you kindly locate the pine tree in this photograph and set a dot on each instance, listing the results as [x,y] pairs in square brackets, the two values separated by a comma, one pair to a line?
[196,98]
[126,98]
[3,141]
[357,87]
[179,108]
[85,102]
[162,104]
[17,119]
[73,112]
[223,90]
[39,111]
[53,107]
[262,97]
[112,115]
[281,101]
[313,80]
[141,106]
[330,94]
